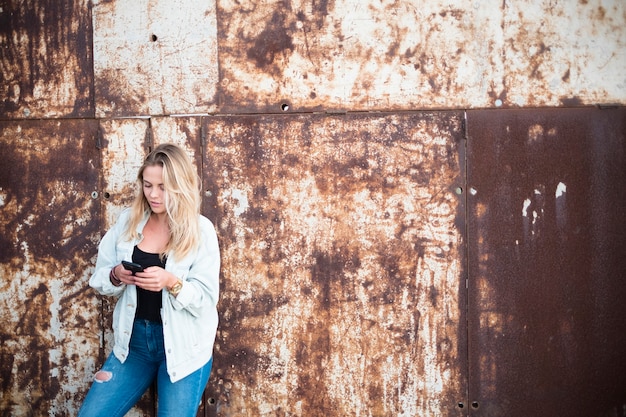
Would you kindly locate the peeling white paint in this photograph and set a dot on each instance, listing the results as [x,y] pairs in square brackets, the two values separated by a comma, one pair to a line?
[241,199]
[527,203]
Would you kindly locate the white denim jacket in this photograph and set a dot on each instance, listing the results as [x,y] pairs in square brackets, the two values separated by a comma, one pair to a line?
[189,320]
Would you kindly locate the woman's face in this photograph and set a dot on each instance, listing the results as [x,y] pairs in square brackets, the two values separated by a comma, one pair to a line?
[153,188]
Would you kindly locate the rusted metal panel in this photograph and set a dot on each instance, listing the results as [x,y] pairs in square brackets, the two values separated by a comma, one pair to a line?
[161,57]
[154,58]
[49,222]
[342,245]
[125,143]
[547,233]
[373,55]
[46,65]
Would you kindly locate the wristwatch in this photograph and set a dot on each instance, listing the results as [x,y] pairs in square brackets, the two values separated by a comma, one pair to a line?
[175,289]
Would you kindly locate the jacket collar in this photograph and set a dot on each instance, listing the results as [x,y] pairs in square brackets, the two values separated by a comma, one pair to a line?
[142,223]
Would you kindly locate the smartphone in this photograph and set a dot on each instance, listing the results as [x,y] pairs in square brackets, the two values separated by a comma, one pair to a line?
[131,266]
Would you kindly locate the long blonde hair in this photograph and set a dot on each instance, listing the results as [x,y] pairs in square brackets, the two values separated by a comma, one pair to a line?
[182,199]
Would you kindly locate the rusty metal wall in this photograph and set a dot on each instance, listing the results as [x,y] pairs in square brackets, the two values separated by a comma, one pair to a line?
[49,226]
[343,234]
[547,280]
[342,247]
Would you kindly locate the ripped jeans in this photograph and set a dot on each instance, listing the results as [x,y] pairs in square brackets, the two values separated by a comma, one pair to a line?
[118,386]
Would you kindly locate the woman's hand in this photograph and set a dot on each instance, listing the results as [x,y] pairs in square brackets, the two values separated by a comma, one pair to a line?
[124,275]
[154,278]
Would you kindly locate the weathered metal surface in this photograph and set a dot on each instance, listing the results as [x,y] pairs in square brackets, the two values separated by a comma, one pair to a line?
[342,255]
[568,53]
[46,66]
[49,222]
[154,57]
[547,279]
[343,248]
[161,57]
[124,143]
[368,55]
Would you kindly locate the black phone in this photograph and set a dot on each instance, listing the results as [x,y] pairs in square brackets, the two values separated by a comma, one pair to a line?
[131,266]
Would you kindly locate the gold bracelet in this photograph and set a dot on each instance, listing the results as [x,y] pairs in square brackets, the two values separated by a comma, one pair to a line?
[175,289]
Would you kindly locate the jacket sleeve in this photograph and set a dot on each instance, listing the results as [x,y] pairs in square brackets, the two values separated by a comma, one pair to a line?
[201,280]
[107,259]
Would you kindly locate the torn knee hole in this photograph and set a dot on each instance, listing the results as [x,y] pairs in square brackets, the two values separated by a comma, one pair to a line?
[103,376]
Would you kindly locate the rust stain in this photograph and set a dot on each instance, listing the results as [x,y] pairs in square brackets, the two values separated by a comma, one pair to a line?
[46,59]
[557,58]
[273,40]
[341,264]
[124,142]
[185,131]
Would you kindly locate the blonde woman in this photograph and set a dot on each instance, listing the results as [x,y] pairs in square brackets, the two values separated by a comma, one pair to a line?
[165,319]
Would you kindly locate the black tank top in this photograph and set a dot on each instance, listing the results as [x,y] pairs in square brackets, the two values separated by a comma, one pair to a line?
[149,303]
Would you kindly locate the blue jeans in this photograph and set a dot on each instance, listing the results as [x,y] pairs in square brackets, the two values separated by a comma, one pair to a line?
[118,386]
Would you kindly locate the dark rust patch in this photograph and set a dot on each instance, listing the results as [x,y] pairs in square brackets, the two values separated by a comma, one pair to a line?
[274,39]
[572,102]
[41,43]
[46,190]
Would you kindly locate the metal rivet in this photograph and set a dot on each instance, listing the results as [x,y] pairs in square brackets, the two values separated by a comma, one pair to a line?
[94,194]
[459,190]
[284,107]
